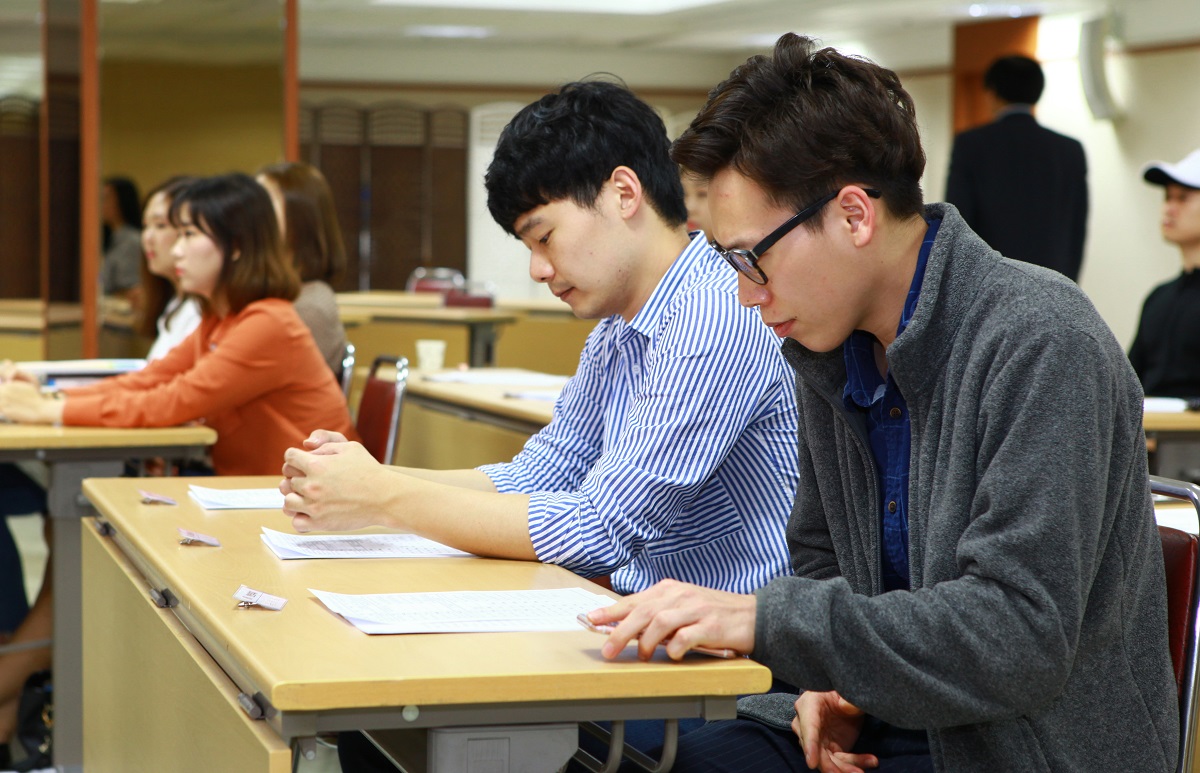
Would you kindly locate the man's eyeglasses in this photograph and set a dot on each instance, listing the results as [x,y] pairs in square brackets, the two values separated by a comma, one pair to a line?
[746,261]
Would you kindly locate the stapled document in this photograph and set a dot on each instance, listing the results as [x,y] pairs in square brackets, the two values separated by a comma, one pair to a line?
[288,546]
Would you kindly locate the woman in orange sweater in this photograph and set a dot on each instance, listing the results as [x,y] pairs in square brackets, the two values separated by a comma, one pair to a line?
[251,371]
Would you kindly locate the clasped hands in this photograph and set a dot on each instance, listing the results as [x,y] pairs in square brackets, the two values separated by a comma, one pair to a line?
[332,485]
[22,401]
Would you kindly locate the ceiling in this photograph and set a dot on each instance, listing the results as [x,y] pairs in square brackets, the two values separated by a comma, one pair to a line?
[381,39]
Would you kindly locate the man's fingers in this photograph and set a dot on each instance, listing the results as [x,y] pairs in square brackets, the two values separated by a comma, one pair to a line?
[322,436]
[297,460]
[846,708]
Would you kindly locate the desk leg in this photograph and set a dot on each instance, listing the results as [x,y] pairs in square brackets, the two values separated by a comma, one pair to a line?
[530,748]
[615,738]
[483,344]
[67,506]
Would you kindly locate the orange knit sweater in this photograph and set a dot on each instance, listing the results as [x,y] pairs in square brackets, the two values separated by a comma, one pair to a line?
[255,377]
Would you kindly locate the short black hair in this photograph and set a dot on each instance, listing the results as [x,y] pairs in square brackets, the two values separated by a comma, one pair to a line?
[804,121]
[567,144]
[1016,79]
[128,201]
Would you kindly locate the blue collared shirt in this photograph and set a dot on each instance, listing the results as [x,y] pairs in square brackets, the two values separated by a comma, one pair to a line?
[888,427]
[672,451]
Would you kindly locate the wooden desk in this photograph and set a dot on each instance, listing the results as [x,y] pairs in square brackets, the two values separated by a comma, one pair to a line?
[305,671]
[454,426]
[470,334]
[389,298]
[1173,441]
[547,336]
[22,323]
[72,454]
[33,330]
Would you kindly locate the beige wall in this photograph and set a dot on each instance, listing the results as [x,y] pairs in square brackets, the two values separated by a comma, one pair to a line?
[160,119]
[1125,255]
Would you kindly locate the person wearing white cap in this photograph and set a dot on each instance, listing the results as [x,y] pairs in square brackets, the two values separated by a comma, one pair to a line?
[1166,349]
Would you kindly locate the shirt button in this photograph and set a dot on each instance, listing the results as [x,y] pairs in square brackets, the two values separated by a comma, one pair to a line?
[896,413]
[892,506]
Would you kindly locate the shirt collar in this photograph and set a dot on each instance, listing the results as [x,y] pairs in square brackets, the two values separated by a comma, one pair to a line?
[676,278]
[864,384]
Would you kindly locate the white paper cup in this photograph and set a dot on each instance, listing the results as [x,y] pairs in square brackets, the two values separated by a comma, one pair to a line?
[431,354]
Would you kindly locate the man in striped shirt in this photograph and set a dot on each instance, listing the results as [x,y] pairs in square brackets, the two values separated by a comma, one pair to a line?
[672,451]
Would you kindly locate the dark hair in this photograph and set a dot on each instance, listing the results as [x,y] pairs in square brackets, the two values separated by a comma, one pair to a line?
[567,144]
[128,203]
[236,213]
[1015,79]
[157,291]
[802,123]
[311,230]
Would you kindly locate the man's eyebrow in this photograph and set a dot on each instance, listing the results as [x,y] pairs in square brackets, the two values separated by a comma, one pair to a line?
[530,224]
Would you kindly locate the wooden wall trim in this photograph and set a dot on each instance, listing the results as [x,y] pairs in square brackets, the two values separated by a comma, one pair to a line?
[291,81]
[89,174]
[478,88]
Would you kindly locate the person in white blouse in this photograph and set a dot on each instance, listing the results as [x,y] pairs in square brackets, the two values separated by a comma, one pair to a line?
[167,313]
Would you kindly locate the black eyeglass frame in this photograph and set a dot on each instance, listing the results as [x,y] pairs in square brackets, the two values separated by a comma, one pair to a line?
[746,261]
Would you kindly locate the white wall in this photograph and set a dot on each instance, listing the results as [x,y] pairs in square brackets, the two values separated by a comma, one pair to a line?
[1124,255]
[933,97]
[1157,93]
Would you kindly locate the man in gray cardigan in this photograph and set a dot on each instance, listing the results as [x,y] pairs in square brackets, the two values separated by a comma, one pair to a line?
[978,584]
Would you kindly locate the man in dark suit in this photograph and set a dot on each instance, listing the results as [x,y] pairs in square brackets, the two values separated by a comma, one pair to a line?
[1020,186]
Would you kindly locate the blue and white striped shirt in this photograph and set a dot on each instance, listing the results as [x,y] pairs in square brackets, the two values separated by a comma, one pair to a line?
[672,451]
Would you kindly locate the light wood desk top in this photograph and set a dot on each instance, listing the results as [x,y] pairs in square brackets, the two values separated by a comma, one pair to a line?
[536,305]
[33,314]
[456,314]
[304,658]
[1184,421]
[41,436]
[490,398]
[390,298]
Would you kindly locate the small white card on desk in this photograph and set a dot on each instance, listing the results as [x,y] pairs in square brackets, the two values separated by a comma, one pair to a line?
[188,537]
[150,498]
[464,611]
[248,597]
[237,499]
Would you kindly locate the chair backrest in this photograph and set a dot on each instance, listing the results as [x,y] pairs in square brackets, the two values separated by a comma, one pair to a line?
[435,280]
[378,421]
[1181,558]
[347,374]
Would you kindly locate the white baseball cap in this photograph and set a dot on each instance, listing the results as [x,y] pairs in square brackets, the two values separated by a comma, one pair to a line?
[1186,172]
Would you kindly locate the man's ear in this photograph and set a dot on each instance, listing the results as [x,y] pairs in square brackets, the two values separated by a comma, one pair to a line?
[627,187]
[858,213]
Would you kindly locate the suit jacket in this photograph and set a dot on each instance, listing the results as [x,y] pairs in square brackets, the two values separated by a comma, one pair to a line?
[1023,188]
